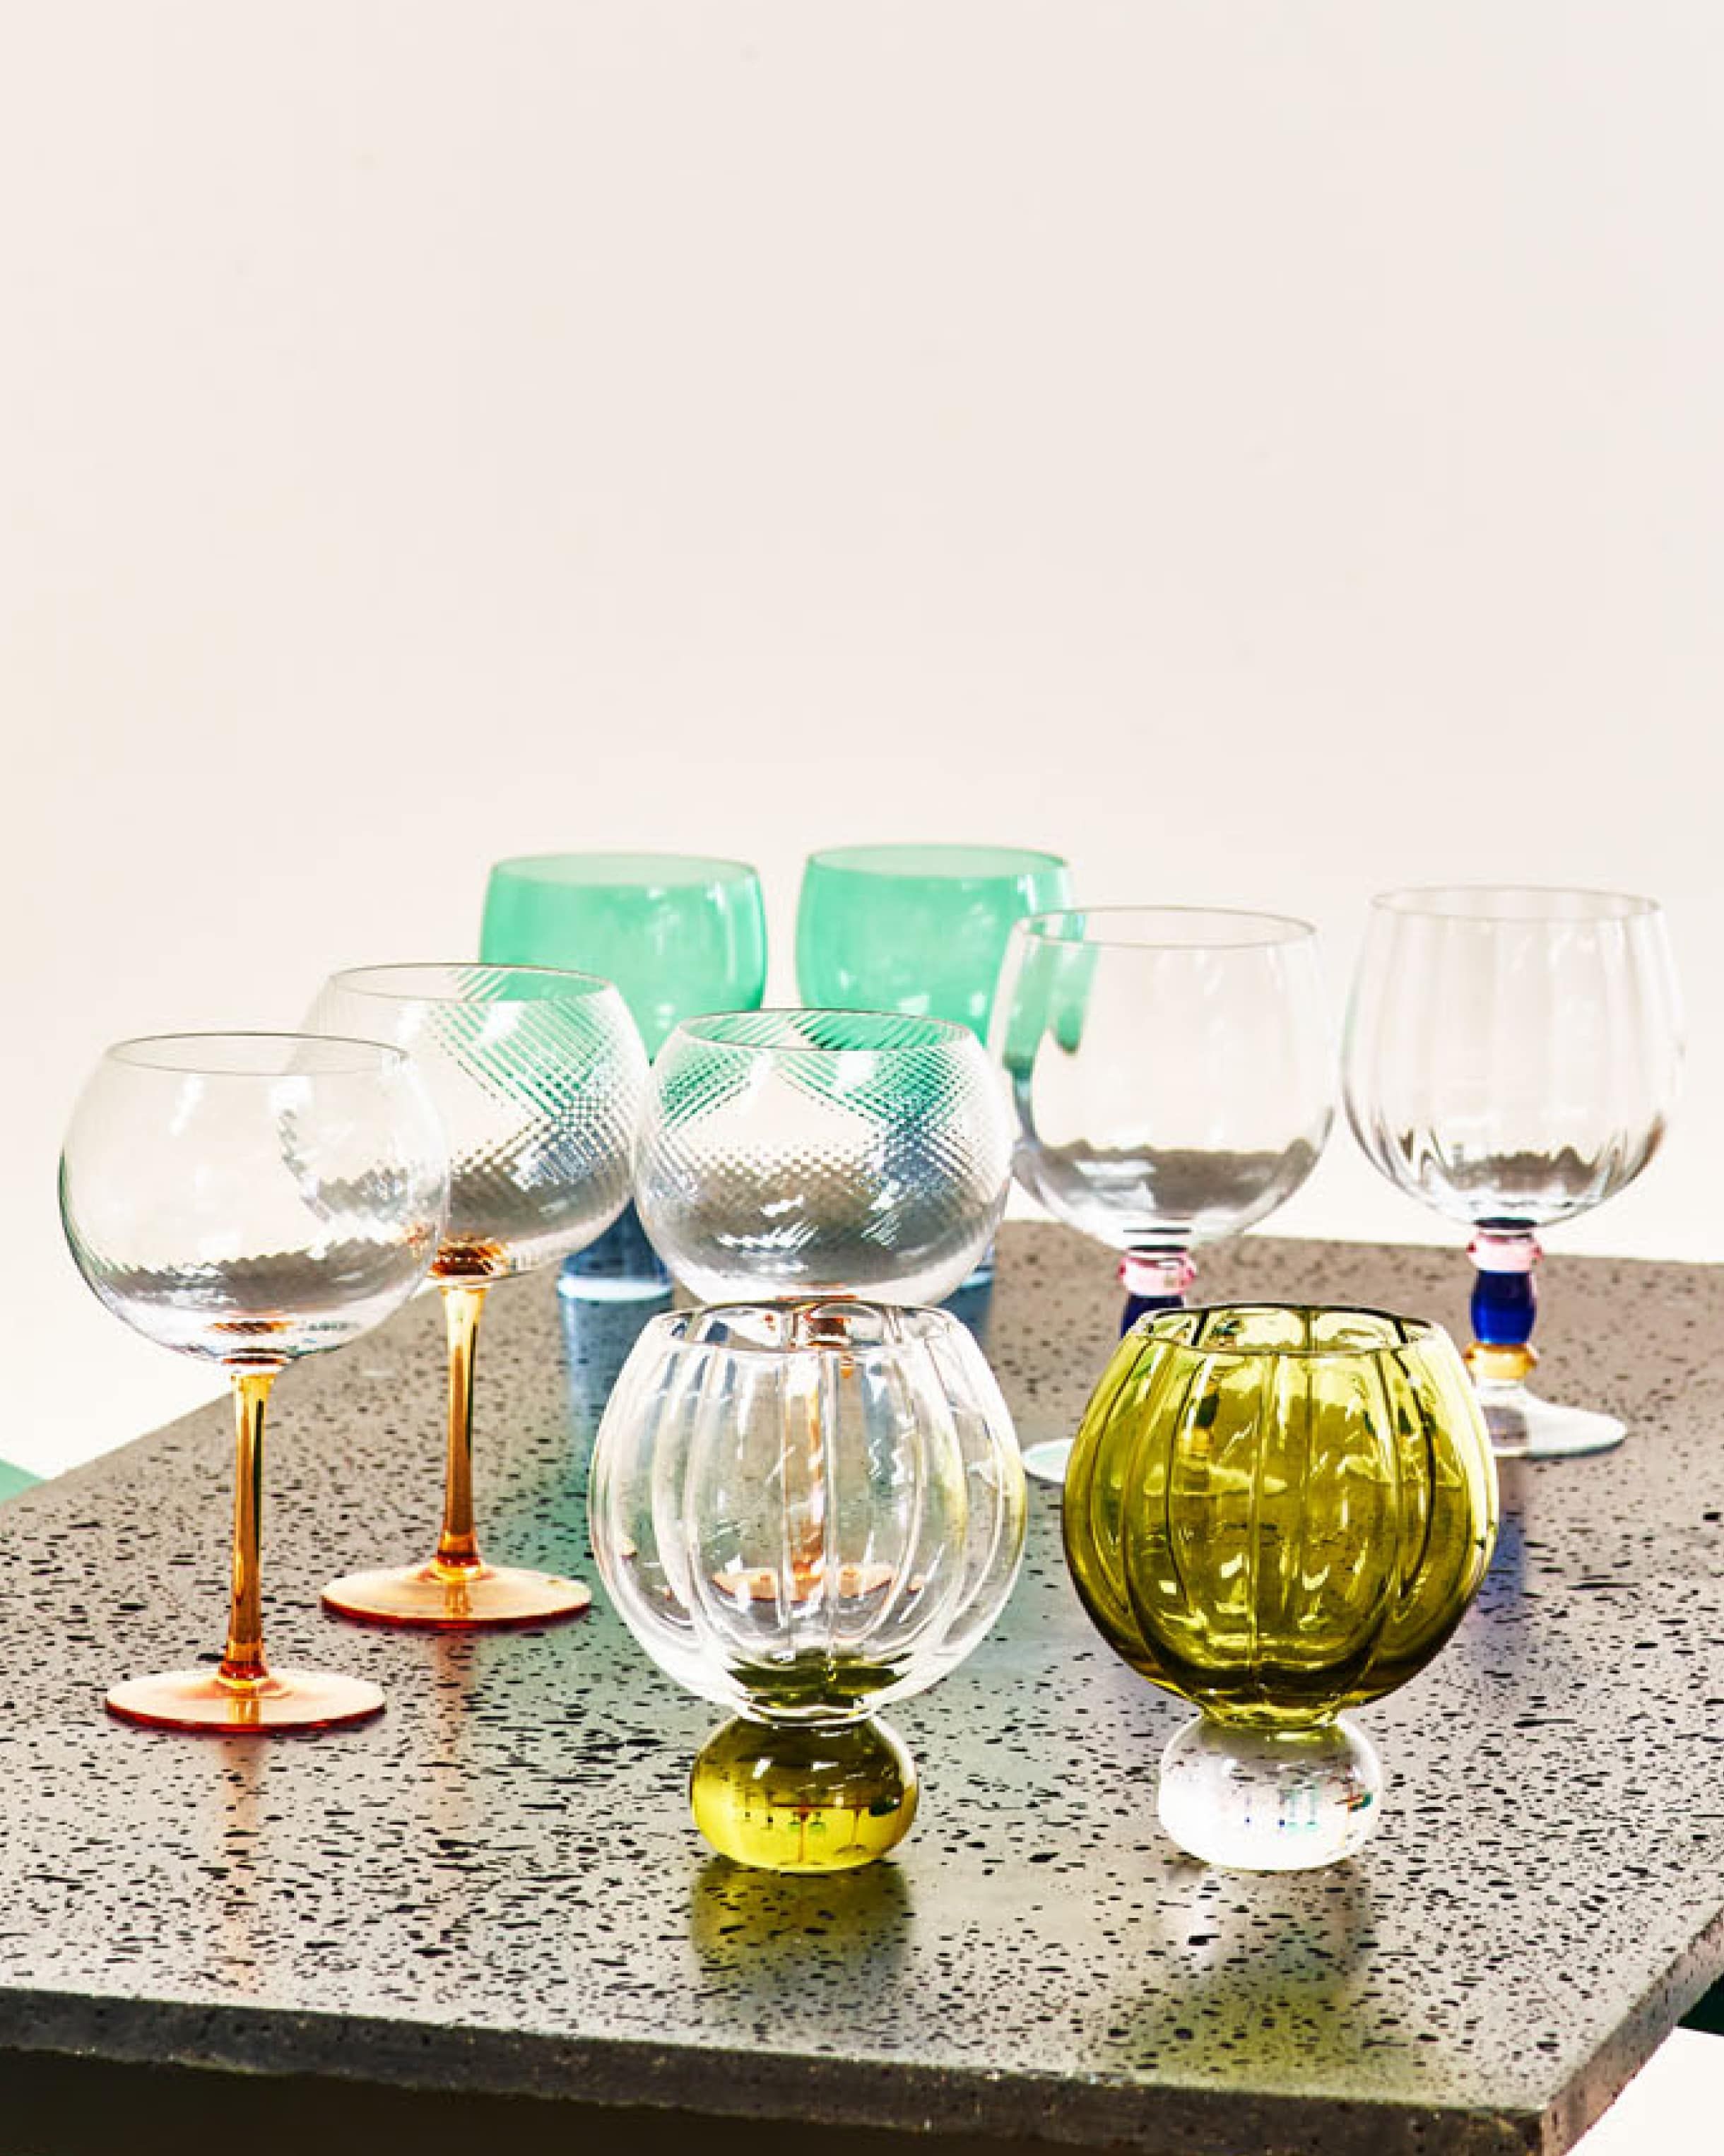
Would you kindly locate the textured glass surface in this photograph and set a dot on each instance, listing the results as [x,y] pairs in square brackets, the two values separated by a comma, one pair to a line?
[538,1077]
[678,934]
[805,1510]
[1274,1510]
[249,1198]
[1512,1056]
[1169,1068]
[916,928]
[807,1153]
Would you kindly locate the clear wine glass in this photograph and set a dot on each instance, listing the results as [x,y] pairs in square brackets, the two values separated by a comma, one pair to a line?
[247,1198]
[1512,1057]
[537,1075]
[810,1153]
[1171,1070]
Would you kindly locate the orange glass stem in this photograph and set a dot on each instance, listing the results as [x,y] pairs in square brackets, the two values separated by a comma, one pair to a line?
[243,1664]
[458,1546]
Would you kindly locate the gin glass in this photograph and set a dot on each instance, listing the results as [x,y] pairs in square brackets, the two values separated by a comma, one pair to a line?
[918,928]
[789,1153]
[538,1077]
[1512,1058]
[803,1510]
[1276,1512]
[247,1198]
[678,934]
[1171,1070]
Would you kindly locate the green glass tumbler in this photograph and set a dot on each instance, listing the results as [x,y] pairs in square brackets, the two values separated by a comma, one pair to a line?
[681,935]
[919,929]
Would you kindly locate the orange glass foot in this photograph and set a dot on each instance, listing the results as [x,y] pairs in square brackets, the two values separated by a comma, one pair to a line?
[422,1594]
[287,1700]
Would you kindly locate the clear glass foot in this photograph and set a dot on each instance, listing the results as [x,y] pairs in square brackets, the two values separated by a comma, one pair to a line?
[1269,1800]
[1047,1462]
[1524,1427]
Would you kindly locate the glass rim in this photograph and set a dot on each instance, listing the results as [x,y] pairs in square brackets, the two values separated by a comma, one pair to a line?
[1242,929]
[1531,903]
[1414,1332]
[553,869]
[160,1052]
[903,1325]
[371,981]
[944,861]
[907,1031]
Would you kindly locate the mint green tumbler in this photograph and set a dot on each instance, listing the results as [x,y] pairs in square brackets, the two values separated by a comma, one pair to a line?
[919,929]
[681,935]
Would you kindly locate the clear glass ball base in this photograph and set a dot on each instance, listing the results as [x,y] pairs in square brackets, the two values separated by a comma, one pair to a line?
[1047,1462]
[1269,1800]
[803,1796]
[1524,1427]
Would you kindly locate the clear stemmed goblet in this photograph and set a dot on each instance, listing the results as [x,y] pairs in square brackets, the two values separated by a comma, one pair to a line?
[538,1077]
[678,934]
[807,1152]
[1171,1074]
[247,1198]
[1512,1057]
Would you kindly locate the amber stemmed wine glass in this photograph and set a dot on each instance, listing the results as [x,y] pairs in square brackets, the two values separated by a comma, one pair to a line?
[538,1076]
[248,1198]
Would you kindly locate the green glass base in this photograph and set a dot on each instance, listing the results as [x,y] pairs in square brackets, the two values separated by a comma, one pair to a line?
[804,1797]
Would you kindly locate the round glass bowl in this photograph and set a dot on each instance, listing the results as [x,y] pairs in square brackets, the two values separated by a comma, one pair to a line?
[805,1152]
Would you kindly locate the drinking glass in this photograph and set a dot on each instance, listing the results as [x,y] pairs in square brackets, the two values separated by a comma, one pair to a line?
[1276,1512]
[1512,1057]
[803,1510]
[678,934]
[807,1153]
[247,1198]
[915,928]
[538,1077]
[1171,1070]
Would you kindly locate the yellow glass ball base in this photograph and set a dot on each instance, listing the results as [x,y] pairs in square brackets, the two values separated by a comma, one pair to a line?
[804,1797]
[432,1597]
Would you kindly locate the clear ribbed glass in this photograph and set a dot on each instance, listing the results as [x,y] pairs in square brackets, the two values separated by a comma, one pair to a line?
[803,1510]
[1276,1512]
[799,1153]
[1512,1058]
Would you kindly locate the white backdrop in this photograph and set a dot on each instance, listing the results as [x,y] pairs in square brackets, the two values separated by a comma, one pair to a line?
[1269,452]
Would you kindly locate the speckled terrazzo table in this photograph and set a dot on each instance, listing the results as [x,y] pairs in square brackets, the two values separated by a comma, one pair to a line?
[488,1911]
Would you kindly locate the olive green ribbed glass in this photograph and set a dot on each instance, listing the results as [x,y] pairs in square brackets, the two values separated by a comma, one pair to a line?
[1278,1512]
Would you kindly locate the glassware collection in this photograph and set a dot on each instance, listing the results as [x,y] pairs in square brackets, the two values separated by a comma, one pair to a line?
[807,1498]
